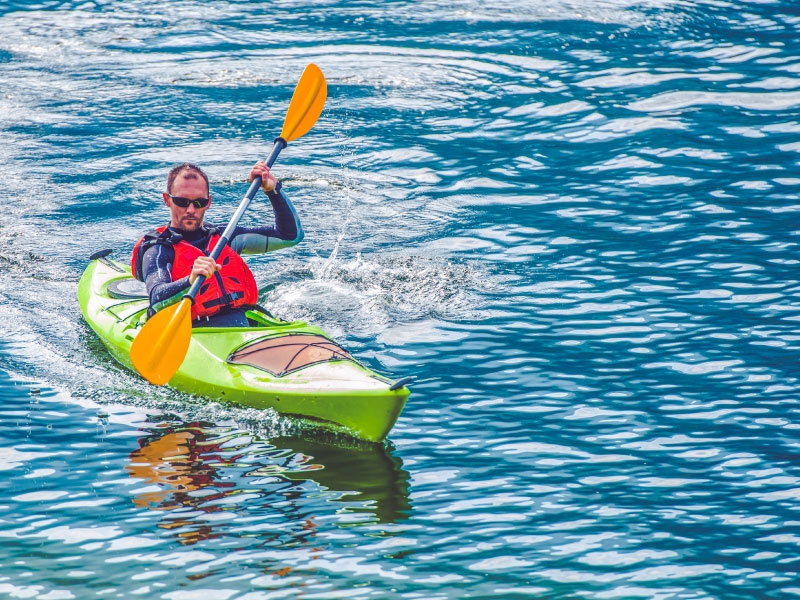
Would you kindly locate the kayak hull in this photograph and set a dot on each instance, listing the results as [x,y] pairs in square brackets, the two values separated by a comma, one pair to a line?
[340,395]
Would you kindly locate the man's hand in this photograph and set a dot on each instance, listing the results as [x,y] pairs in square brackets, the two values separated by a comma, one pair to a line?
[268,181]
[205,266]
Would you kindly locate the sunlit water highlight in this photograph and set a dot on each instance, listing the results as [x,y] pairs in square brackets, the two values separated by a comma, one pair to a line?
[576,223]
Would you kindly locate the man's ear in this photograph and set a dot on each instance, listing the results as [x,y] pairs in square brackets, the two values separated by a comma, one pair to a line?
[166,198]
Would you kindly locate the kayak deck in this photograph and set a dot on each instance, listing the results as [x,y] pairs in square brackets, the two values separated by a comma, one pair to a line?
[301,372]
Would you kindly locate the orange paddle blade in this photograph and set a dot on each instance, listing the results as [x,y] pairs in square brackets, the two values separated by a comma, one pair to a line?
[161,345]
[306,105]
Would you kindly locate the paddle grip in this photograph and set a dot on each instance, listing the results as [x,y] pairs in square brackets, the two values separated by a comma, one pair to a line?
[279,145]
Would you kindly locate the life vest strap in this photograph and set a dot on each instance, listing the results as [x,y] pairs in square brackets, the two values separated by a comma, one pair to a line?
[226,299]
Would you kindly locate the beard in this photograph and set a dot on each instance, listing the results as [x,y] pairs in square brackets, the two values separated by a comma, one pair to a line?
[191,224]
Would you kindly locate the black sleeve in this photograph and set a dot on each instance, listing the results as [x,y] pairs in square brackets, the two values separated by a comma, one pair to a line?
[157,271]
[286,231]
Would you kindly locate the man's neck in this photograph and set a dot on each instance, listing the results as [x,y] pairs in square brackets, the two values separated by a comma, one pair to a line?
[191,235]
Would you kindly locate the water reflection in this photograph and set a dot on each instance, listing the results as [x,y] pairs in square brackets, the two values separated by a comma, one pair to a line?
[207,478]
[369,474]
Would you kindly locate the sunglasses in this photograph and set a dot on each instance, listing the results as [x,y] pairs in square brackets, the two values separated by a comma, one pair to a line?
[185,202]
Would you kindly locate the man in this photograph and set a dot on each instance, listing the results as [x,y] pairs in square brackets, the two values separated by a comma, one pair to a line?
[170,258]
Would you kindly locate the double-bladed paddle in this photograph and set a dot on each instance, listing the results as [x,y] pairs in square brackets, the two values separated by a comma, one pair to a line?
[161,345]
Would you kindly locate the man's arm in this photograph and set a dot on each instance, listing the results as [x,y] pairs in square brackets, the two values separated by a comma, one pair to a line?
[157,270]
[286,231]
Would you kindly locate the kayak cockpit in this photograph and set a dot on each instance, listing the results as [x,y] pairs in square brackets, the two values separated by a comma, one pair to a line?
[127,288]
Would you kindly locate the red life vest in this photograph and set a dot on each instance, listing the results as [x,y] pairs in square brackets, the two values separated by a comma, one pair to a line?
[231,287]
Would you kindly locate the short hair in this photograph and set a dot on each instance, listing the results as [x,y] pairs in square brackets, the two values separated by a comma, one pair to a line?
[191,170]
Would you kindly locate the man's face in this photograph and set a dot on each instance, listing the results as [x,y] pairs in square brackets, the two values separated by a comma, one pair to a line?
[189,218]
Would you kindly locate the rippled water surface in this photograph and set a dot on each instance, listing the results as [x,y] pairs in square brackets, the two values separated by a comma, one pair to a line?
[576,223]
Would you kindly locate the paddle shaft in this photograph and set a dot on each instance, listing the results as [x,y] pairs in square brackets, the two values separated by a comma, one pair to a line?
[280,144]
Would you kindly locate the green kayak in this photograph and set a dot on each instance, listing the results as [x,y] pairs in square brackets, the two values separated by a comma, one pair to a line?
[291,367]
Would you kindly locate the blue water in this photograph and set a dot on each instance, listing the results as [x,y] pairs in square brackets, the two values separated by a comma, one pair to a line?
[576,223]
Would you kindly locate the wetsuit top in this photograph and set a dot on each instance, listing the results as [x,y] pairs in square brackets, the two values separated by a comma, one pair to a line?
[157,260]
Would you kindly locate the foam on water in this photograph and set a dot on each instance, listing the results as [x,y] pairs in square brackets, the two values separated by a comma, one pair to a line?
[362,297]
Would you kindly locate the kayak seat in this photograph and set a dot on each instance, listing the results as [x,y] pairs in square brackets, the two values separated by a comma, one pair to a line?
[127,289]
[284,354]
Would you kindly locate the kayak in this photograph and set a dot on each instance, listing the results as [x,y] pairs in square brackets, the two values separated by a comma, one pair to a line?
[291,367]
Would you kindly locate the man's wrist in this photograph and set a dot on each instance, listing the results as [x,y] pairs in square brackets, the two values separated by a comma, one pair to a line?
[274,191]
